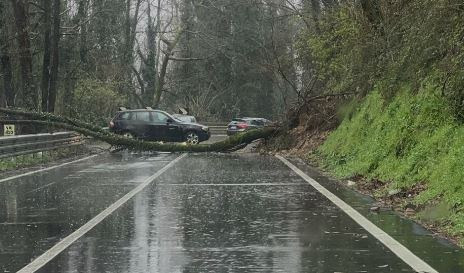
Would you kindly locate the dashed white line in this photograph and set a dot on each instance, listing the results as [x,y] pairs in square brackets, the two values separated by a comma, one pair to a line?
[46,257]
[396,247]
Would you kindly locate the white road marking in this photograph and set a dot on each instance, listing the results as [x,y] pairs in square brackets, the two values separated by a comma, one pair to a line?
[46,169]
[66,242]
[238,184]
[396,247]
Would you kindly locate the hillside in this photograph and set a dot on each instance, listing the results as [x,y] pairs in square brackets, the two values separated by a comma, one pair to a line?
[401,136]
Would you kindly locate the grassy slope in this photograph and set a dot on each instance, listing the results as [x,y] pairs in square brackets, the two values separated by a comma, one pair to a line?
[409,140]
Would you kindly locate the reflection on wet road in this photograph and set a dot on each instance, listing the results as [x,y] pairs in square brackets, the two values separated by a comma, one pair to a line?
[36,211]
[208,213]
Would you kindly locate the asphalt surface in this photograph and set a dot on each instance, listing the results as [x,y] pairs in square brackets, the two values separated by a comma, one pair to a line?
[206,213]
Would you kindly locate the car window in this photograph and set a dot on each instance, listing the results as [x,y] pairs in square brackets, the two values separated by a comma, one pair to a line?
[124,116]
[257,122]
[143,116]
[159,117]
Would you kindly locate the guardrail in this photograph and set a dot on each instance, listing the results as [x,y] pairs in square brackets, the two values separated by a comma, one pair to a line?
[218,130]
[11,146]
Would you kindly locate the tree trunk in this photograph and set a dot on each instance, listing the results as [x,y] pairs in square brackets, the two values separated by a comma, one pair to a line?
[160,85]
[8,88]
[8,95]
[82,15]
[232,143]
[44,86]
[315,13]
[149,68]
[55,56]
[29,92]
[164,66]
[127,60]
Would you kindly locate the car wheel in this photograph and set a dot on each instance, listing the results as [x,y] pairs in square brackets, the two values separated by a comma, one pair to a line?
[128,135]
[192,138]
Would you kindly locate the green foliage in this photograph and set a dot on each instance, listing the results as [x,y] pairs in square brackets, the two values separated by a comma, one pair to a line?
[405,59]
[404,43]
[342,51]
[408,140]
[95,101]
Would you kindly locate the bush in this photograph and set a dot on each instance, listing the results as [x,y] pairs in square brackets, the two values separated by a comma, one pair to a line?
[95,101]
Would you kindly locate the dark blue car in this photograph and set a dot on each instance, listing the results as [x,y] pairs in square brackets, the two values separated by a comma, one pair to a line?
[157,125]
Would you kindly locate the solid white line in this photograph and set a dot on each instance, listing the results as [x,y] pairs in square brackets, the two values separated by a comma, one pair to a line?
[66,242]
[396,247]
[46,169]
[238,184]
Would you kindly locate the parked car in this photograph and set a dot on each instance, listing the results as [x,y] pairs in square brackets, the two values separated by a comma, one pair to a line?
[157,125]
[185,118]
[238,125]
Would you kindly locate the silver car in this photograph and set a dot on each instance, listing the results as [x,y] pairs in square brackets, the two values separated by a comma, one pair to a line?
[238,125]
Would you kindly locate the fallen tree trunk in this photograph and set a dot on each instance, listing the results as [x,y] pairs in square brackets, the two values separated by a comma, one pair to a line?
[44,116]
[47,119]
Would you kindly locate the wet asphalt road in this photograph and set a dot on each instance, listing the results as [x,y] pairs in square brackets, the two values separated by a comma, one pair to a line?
[208,213]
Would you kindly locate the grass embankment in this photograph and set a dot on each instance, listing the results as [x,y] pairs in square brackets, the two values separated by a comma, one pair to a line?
[39,159]
[408,142]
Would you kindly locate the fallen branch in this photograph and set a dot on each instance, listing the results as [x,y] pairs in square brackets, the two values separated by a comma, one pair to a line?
[45,116]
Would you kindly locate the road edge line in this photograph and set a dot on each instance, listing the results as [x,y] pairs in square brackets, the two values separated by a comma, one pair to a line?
[396,247]
[54,251]
[47,169]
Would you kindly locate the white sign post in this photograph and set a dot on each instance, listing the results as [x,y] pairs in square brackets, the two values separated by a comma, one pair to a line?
[8,130]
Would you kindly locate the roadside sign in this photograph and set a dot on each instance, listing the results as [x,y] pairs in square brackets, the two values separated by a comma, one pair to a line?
[8,130]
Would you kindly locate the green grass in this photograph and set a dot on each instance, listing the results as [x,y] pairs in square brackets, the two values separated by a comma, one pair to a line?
[413,138]
[23,161]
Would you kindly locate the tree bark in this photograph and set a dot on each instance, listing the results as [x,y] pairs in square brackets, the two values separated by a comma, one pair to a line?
[7,94]
[48,119]
[55,46]
[164,66]
[315,13]
[162,76]
[44,86]
[7,97]
[127,60]
[29,91]
[232,143]
[82,15]
[149,67]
